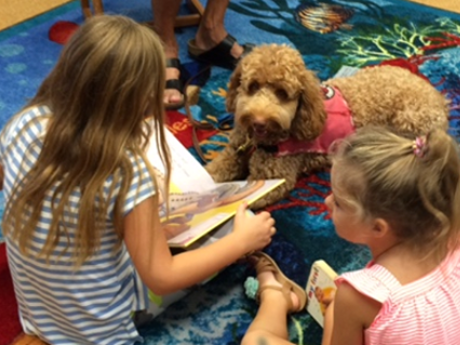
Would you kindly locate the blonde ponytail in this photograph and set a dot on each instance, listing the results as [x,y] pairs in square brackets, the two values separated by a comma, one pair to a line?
[412,182]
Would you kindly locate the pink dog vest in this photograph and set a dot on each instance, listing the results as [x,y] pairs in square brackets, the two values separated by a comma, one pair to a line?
[339,124]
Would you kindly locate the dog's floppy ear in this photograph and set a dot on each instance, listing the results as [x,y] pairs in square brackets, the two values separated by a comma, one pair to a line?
[235,81]
[311,115]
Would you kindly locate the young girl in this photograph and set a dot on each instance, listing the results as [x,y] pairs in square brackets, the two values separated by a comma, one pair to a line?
[400,196]
[81,223]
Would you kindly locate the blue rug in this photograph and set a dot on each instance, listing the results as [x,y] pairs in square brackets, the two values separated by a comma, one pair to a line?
[360,33]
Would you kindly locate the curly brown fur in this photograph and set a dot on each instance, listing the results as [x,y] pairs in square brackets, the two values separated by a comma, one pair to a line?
[274,96]
[393,96]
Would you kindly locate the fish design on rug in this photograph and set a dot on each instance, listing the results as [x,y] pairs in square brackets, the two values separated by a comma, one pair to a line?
[323,18]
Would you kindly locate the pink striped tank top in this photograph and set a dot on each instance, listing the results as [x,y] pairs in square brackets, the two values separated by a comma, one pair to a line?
[424,312]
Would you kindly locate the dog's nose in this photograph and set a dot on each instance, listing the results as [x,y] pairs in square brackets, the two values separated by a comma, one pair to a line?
[259,126]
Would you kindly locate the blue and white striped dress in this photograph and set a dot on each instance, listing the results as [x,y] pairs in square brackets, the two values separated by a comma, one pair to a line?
[61,305]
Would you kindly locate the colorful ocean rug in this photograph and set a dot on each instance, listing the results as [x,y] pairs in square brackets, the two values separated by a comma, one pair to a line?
[328,34]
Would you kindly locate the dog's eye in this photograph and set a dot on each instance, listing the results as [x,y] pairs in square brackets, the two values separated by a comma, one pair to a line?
[281,94]
[253,87]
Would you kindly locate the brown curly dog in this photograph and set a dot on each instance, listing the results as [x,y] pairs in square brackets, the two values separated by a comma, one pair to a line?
[285,119]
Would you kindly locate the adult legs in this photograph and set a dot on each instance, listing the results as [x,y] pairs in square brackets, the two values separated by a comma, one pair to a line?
[210,33]
[212,29]
[164,14]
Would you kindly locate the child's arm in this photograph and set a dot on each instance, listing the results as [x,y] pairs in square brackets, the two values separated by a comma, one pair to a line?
[164,273]
[1,177]
[352,313]
[328,324]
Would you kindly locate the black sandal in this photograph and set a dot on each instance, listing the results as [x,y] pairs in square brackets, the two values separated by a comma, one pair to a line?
[220,54]
[175,84]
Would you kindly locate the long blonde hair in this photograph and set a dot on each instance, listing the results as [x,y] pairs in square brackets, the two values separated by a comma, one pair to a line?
[412,183]
[109,76]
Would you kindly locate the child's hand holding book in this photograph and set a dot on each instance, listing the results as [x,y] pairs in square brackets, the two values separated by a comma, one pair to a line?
[256,231]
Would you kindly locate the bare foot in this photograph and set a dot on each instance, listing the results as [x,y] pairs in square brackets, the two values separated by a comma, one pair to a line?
[267,278]
[172,96]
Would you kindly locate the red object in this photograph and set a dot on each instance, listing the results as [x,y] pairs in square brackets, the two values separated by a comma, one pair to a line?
[338,125]
[9,319]
[61,31]
[181,127]
[449,40]
[410,64]
[400,62]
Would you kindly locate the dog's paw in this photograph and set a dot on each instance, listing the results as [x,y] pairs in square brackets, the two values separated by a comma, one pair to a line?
[218,176]
[259,204]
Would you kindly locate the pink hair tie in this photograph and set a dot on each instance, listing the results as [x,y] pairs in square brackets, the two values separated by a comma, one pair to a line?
[419,147]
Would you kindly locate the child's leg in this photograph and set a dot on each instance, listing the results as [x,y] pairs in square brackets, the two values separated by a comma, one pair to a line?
[270,324]
[278,297]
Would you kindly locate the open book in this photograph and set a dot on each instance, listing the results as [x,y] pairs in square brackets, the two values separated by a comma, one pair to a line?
[198,205]
[320,289]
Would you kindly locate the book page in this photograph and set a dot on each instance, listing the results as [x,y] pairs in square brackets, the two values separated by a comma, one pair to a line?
[197,204]
[191,222]
[187,174]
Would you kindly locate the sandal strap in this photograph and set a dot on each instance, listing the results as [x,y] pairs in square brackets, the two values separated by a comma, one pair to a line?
[220,55]
[173,63]
[247,48]
[175,84]
[226,45]
[265,263]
